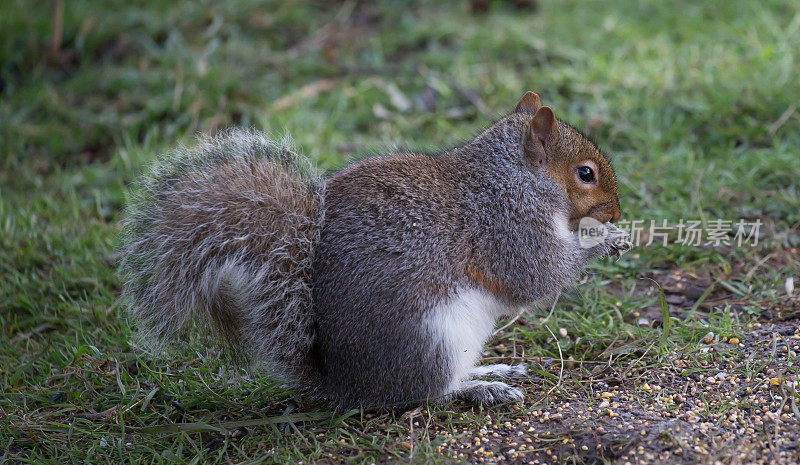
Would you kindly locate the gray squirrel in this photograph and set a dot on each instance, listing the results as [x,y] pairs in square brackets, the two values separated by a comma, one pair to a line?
[379,285]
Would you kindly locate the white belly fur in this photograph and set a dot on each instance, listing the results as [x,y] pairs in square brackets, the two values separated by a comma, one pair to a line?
[463,323]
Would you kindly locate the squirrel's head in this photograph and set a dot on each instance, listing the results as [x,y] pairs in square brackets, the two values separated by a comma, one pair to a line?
[572,161]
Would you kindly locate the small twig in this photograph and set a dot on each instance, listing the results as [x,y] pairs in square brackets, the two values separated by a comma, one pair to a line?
[521,312]
[758,264]
[795,410]
[552,307]
[58,27]
[561,358]
[97,415]
[773,128]
[608,347]
[412,438]
[771,444]
[307,91]
[638,359]
[130,407]
[511,322]
[411,414]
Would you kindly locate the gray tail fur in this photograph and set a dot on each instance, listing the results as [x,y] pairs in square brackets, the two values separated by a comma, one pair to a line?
[224,234]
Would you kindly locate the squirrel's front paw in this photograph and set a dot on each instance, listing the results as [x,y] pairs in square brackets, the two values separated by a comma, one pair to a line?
[500,370]
[617,240]
[602,239]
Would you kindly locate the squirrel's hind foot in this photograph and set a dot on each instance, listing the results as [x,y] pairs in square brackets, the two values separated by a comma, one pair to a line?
[487,392]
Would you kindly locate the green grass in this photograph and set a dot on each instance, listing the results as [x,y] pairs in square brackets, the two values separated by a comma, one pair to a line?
[688,97]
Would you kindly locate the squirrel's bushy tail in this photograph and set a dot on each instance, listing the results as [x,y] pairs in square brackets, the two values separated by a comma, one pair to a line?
[224,233]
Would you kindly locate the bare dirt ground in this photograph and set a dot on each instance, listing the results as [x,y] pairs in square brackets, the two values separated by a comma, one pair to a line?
[723,400]
[735,404]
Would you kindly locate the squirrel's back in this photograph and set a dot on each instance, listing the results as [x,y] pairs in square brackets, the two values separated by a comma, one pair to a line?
[224,233]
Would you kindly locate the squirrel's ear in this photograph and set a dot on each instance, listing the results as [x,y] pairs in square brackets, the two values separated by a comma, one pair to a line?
[528,103]
[543,129]
[544,125]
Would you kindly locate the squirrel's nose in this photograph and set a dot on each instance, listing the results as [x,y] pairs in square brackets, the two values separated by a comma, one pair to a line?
[605,212]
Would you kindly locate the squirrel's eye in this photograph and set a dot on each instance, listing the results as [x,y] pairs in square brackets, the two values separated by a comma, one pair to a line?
[585,174]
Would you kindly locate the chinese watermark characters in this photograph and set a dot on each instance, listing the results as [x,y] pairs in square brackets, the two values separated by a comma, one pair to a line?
[692,233]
